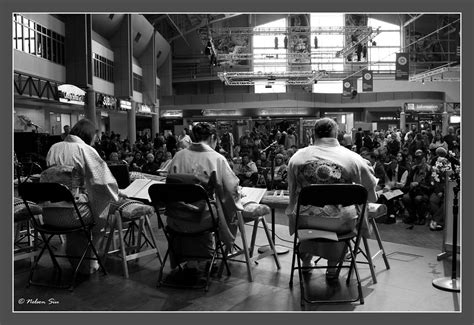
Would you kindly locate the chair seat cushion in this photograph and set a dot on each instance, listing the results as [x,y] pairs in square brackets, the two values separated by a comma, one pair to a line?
[20,212]
[253,210]
[131,209]
[376,210]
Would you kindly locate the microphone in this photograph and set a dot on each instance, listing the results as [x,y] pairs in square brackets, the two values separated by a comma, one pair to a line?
[269,147]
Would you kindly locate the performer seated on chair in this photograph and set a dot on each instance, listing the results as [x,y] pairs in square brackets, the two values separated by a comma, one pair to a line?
[326,162]
[77,165]
[213,171]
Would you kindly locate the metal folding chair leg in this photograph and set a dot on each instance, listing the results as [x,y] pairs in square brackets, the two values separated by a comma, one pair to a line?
[379,241]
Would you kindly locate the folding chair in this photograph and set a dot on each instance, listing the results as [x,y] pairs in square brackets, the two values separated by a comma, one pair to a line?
[320,195]
[166,195]
[40,193]
[25,241]
[246,250]
[131,221]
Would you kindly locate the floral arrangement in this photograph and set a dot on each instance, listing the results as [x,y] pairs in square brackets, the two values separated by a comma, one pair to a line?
[444,165]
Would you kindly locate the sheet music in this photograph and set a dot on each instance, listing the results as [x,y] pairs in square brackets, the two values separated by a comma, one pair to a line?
[252,194]
[139,188]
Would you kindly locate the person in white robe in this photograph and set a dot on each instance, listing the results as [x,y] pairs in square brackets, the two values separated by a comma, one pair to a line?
[93,183]
[326,162]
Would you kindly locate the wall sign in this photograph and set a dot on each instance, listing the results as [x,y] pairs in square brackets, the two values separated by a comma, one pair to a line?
[105,101]
[142,108]
[125,104]
[171,113]
[425,107]
[71,94]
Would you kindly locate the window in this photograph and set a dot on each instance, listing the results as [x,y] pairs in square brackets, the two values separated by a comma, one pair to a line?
[324,48]
[382,55]
[137,83]
[270,56]
[32,38]
[325,45]
[103,68]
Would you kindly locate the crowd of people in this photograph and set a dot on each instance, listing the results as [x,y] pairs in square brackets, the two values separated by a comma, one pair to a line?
[259,158]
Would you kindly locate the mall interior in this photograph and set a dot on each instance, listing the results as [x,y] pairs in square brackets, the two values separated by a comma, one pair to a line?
[145,80]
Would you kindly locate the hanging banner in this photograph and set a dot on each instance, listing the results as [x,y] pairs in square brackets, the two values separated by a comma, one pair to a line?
[401,66]
[298,42]
[349,85]
[367,80]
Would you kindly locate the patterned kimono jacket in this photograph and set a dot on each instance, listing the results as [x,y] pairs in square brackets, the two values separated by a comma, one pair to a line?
[95,181]
[327,162]
[205,163]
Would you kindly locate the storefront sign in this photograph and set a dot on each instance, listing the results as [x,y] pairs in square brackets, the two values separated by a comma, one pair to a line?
[389,118]
[220,112]
[171,113]
[105,101]
[425,107]
[125,104]
[401,66]
[142,108]
[71,94]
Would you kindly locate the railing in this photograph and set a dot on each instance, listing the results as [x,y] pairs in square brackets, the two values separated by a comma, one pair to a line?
[27,85]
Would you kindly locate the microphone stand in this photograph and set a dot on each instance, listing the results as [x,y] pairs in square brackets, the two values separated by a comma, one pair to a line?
[279,249]
[452,284]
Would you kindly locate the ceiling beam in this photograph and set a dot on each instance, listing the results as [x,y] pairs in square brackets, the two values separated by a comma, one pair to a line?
[408,22]
[204,23]
[178,29]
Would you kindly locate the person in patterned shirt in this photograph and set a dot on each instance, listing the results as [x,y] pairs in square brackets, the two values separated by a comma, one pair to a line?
[326,162]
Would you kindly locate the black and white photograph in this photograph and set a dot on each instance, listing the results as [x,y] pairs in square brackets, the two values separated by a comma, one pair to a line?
[186,162]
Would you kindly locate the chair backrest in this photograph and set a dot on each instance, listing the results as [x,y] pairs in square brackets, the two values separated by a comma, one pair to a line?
[170,193]
[332,194]
[121,174]
[320,195]
[174,195]
[41,192]
[51,193]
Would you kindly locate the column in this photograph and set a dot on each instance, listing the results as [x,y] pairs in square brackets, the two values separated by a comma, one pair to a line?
[403,119]
[89,108]
[155,121]
[445,119]
[132,124]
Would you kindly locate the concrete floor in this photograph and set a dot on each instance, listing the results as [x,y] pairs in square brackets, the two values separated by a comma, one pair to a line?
[405,287]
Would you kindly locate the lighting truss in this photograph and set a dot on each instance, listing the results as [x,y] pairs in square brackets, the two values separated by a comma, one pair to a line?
[273,56]
[363,38]
[437,74]
[286,30]
[287,77]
